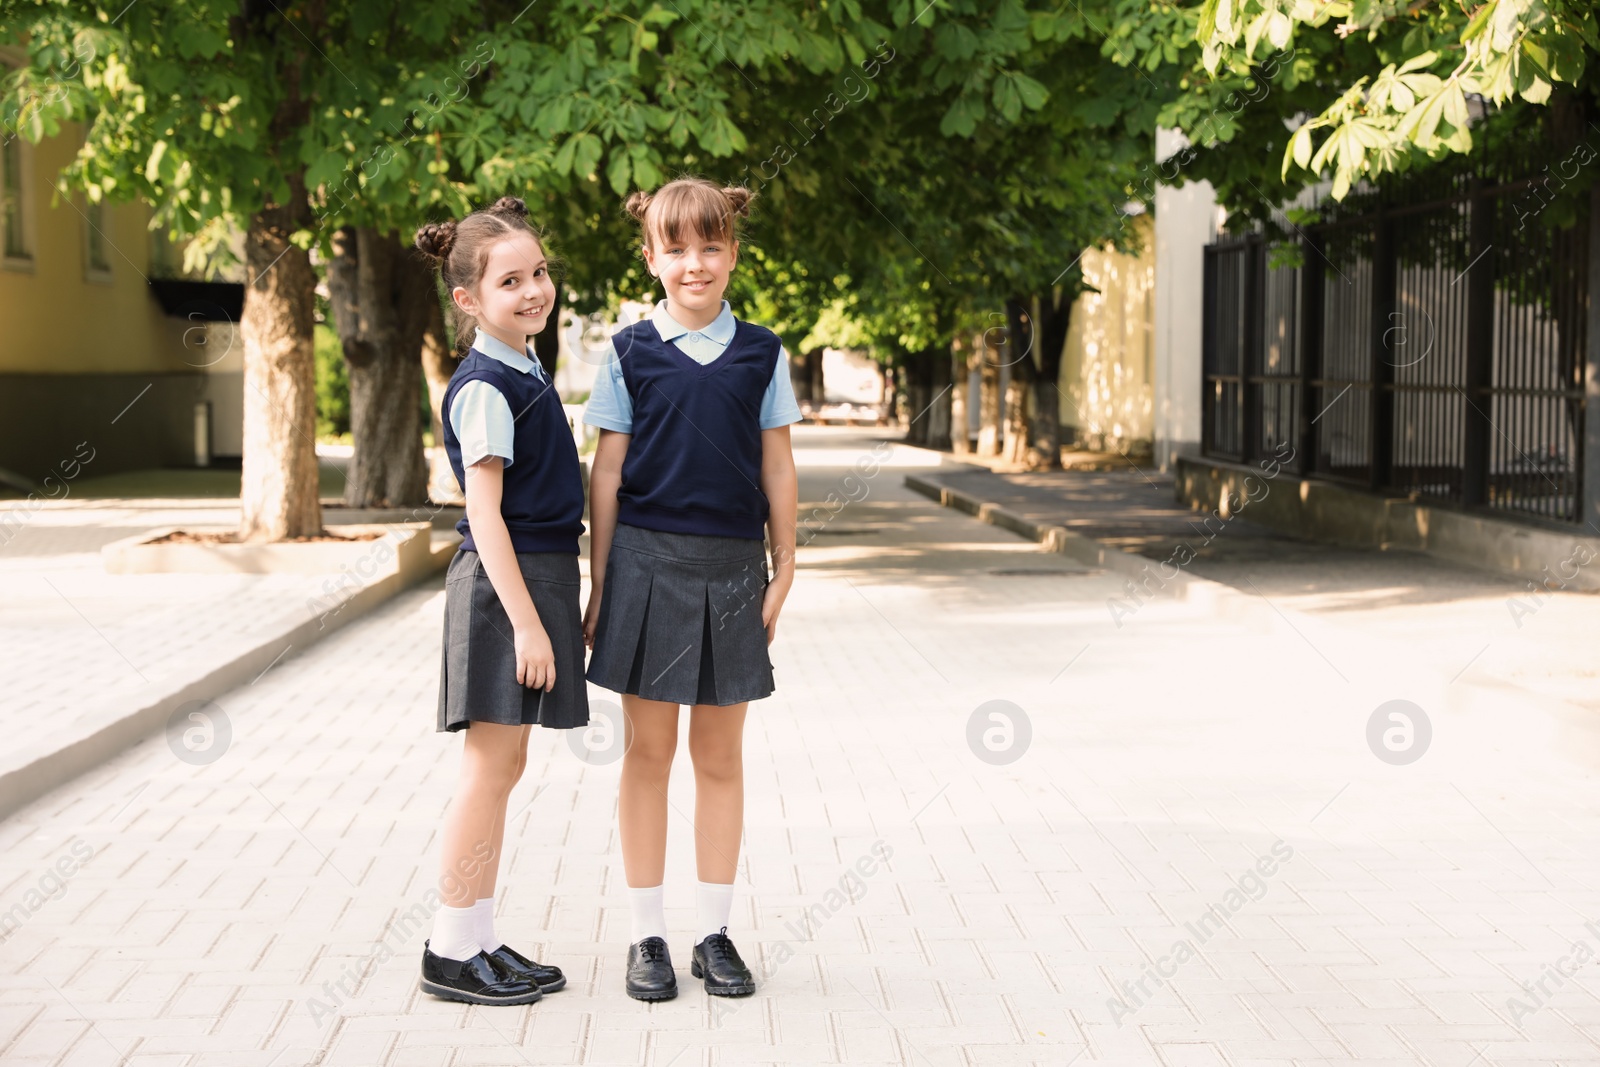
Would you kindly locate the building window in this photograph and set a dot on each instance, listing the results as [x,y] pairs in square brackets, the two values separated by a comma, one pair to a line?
[13,217]
[96,243]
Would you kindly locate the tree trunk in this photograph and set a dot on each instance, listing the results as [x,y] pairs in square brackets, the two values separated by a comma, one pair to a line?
[547,342]
[278,491]
[960,394]
[800,379]
[917,380]
[1054,315]
[816,387]
[989,357]
[377,292]
[1019,357]
[886,404]
[937,415]
[438,364]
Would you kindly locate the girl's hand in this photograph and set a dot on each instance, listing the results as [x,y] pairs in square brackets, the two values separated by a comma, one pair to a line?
[591,617]
[772,602]
[536,660]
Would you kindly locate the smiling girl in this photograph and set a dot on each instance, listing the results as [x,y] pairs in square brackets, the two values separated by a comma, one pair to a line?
[513,643]
[692,467]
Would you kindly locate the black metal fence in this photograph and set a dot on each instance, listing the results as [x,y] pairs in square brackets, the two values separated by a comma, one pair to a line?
[1435,347]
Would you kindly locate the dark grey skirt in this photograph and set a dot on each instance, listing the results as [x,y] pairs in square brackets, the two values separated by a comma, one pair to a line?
[478,678]
[680,619]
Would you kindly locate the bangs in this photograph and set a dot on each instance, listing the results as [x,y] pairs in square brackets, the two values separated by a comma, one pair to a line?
[685,208]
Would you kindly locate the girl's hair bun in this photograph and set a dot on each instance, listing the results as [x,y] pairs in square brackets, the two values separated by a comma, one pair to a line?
[638,203]
[510,205]
[738,198]
[437,238]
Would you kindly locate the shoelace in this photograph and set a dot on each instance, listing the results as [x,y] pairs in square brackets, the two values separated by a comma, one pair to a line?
[652,950]
[720,944]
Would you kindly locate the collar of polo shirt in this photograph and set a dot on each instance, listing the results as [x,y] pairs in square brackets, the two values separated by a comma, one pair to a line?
[495,348]
[720,330]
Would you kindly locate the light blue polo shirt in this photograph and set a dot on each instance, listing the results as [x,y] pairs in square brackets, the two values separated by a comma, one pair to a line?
[611,408]
[480,414]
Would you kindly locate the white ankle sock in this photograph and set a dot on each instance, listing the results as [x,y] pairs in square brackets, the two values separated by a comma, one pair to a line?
[455,933]
[713,903]
[649,912]
[484,912]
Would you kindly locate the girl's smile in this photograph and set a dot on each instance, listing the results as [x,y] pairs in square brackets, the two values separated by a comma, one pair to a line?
[694,275]
[512,302]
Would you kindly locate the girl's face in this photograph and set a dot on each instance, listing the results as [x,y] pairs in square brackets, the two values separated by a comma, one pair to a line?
[515,294]
[694,271]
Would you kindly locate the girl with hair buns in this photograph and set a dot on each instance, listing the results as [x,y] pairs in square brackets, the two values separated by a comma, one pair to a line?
[692,467]
[513,640]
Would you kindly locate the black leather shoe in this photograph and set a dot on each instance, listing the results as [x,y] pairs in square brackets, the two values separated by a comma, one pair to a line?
[718,962]
[650,973]
[476,981]
[549,979]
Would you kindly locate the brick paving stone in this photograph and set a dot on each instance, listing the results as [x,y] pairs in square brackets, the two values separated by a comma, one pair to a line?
[253,911]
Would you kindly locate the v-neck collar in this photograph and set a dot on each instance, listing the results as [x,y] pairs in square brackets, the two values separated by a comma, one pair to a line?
[701,369]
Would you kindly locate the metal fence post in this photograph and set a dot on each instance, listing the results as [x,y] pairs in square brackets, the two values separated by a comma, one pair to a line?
[1208,349]
[1250,359]
[1589,455]
[1383,306]
[1311,286]
[1475,420]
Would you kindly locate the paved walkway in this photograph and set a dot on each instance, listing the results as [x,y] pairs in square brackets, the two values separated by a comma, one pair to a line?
[79,646]
[1463,621]
[1173,846]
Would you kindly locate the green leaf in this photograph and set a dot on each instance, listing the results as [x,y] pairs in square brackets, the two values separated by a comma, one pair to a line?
[617,173]
[327,169]
[1299,150]
[1033,93]
[1006,99]
[1420,62]
[587,155]
[962,118]
[1341,183]
[555,117]
[152,167]
[562,164]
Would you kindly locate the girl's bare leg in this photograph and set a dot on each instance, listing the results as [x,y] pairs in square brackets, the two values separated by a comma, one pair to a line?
[469,849]
[491,874]
[716,745]
[651,739]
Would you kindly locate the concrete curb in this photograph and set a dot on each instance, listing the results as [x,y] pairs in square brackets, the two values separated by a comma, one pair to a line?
[28,775]
[1381,673]
[1086,550]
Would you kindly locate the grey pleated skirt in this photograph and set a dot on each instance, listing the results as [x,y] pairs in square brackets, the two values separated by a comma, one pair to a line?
[478,678]
[680,619]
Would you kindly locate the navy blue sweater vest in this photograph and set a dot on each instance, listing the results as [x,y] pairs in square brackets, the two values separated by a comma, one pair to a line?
[694,459]
[542,498]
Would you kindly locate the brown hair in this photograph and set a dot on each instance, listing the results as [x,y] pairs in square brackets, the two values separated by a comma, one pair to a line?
[692,205]
[460,249]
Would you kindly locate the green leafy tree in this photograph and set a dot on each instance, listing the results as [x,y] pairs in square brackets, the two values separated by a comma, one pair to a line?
[285,122]
[998,148]
[1410,99]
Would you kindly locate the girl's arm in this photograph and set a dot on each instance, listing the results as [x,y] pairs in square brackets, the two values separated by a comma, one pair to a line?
[605,478]
[536,661]
[778,481]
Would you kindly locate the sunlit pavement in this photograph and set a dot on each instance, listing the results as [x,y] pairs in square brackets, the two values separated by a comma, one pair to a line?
[984,826]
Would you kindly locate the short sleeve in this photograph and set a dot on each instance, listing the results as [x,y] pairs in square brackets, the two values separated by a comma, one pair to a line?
[610,407]
[778,406]
[481,419]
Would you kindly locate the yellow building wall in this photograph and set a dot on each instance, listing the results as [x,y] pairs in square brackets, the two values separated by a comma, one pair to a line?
[57,321]
[1107,367]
